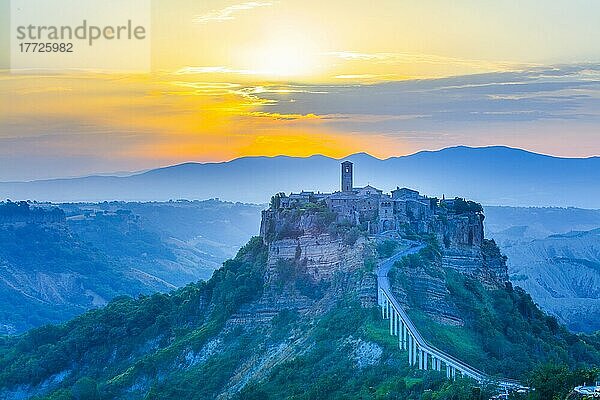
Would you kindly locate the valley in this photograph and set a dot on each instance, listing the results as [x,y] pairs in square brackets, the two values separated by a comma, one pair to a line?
[80,256]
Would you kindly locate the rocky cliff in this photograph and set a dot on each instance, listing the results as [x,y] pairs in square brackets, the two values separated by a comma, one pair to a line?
[562,274]
[308,242]
[311,263]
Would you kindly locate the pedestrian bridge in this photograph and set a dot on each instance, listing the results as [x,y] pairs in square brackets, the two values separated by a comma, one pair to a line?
[421,353]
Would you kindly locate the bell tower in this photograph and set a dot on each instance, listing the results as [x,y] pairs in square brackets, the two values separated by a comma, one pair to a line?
[346,176]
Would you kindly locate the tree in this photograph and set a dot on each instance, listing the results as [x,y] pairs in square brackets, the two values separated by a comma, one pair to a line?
[85,389]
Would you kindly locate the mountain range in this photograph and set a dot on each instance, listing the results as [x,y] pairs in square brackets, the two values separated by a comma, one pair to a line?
[490,175]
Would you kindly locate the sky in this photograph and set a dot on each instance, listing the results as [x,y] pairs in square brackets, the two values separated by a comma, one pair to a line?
[243,78]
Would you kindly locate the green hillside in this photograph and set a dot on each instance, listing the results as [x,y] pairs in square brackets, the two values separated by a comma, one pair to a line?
[187,344]
[503,332]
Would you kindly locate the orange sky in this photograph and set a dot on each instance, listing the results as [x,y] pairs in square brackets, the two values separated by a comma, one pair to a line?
[305,77]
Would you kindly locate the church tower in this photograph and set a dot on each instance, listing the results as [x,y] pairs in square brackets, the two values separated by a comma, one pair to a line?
[346,176]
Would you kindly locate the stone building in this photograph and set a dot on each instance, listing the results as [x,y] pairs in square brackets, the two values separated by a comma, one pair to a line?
[455,222]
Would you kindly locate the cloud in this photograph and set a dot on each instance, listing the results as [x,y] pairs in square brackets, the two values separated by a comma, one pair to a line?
[365,76]
[430,59]
[213,70]
[127,123]
[527,95]
[283,117]
[227,13]
[536,108]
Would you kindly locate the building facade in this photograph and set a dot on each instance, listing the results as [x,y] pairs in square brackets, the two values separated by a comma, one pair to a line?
[401,209]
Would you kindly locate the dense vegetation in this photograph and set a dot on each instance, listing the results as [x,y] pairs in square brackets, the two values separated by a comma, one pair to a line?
[353,357]
[39,251]
[461,206]
[22,212]
[194,344]
[504,332]
[100,345]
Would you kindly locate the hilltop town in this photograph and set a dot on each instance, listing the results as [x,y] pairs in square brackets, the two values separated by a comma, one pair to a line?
[403,209]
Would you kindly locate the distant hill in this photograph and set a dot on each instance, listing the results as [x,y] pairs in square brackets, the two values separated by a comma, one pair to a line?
[562,274]
[490,175]
[528,223]
[56,263]
[554,254]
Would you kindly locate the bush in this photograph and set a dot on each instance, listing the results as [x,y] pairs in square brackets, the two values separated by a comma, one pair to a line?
[386,248]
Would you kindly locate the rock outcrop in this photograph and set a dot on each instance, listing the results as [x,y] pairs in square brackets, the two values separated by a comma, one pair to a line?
[484,262]
[562,274]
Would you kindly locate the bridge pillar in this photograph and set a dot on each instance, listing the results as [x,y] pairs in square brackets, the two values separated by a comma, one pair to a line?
[421,360]
[448,372]
[401,335]
[409,351]
[388,311]
[403,338]
[387,308]
[415,349]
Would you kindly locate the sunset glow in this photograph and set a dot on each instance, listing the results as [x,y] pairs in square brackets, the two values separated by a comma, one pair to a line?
[268,78]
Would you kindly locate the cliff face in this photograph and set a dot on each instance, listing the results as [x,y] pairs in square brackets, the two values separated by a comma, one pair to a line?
[465,250]
[309,244]
[312,262]
[459,230]
[484,263]
[312,244]
[562,274]
[320,256]
[420,283]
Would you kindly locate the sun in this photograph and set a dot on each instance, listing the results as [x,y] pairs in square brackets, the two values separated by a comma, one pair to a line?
[282,60]
[284,57]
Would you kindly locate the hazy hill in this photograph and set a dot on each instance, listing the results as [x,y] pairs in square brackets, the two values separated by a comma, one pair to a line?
[554,254]
[57,263]
[562,274]
[525,223]
[490,175]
